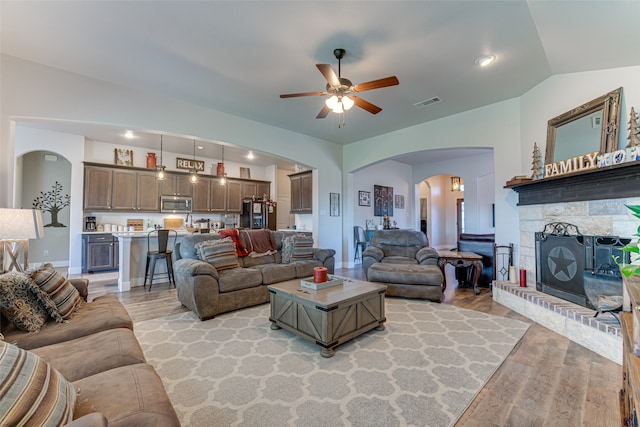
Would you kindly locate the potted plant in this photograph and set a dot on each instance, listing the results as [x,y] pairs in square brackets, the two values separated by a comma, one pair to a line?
[633,268]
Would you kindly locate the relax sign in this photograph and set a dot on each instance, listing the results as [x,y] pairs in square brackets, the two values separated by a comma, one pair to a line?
[575,164]
[190,164]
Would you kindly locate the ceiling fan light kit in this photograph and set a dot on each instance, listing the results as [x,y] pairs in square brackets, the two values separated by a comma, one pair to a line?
[341,90]
[485,60]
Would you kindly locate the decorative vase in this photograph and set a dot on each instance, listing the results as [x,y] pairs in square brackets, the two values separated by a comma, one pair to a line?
[151,160]
[220,169]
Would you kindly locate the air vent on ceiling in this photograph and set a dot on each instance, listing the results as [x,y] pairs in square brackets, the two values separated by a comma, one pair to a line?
[427,102]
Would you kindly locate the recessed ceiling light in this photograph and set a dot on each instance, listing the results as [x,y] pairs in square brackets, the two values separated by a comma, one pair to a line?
[129,134]
[250,155]
[200,147]
[485,60]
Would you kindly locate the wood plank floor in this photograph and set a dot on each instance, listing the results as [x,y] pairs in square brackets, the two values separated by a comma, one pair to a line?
[547,380]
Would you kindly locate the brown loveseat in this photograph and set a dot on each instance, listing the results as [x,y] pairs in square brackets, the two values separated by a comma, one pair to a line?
[97,352]
[208,292]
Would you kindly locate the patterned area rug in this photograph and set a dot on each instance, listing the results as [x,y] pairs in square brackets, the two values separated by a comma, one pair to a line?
[424,369]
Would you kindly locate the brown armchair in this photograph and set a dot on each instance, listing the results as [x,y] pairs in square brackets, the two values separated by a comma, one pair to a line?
[403,260]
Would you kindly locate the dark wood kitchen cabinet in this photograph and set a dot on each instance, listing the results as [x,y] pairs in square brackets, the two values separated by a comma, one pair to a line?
[97,188]
[234,196]
[218,196]
[99,252]
[120,189]
[201,196]
[176,184]
[256,189]
[301,192]
[126,189]
[263,188]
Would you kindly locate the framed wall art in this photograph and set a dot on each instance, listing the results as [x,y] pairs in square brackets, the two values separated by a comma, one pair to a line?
[334,204]
[399,201]
[123,157]
[382,200]
[364,198]
[245,173]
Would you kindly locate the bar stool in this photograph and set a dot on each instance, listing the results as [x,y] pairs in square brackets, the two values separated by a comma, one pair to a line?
[166,242]
[359,241]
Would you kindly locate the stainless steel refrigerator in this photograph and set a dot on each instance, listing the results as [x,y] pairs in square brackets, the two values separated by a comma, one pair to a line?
[258,214]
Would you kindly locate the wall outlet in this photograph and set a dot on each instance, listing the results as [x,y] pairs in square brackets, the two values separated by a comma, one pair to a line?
[45,252]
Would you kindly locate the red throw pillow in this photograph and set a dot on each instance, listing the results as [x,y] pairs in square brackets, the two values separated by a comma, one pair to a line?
[235,236]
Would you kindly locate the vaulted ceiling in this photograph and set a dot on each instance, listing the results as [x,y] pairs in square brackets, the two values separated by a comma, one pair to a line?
[239,56]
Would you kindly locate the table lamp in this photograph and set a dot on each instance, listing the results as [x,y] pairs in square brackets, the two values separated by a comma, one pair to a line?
[17,226]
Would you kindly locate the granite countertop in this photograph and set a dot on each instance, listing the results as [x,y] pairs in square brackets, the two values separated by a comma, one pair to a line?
[142,233]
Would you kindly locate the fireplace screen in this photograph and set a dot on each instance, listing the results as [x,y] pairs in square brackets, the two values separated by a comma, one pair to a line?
[563,254]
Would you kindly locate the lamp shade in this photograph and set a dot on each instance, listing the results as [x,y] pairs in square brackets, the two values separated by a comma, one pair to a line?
[21,224]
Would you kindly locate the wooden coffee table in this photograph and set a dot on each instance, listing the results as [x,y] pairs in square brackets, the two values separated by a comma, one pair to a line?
[330,316]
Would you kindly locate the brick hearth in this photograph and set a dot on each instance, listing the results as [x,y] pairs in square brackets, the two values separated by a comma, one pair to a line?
[600,334]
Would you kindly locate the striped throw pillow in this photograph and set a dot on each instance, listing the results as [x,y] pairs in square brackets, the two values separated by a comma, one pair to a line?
[32,393]
[65,296]
[219,253]
[303,248]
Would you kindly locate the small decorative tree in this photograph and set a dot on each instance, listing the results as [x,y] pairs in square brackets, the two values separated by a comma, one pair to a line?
[634,130]
[536,164]
[53,202]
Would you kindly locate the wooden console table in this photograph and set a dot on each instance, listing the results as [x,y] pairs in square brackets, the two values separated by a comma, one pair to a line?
[461,259]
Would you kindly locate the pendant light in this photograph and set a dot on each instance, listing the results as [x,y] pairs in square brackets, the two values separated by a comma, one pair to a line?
[193,173]
[160,174]
[220,170]
[455,183]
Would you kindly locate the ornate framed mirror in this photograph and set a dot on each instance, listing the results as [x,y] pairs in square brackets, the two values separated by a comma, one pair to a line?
[590,127]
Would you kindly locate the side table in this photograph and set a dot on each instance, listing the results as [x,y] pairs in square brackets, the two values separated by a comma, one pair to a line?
[462,259]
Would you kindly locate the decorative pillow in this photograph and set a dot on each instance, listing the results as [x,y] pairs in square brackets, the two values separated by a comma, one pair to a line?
[33,393]
[303,248]
[219,253]
[19,303]
[235,236]
[65,296]
[287,249]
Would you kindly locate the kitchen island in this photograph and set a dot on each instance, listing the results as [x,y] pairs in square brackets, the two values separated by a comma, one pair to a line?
[132,257]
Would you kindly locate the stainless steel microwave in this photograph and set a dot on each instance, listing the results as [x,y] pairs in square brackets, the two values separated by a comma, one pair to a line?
[176,204]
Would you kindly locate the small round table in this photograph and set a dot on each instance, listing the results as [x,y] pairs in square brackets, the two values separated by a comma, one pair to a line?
[461,259]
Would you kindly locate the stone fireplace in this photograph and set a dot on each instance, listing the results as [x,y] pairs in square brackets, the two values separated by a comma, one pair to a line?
[566,260]
[594,202]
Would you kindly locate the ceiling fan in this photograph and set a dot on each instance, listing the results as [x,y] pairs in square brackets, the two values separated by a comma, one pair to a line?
[341,90]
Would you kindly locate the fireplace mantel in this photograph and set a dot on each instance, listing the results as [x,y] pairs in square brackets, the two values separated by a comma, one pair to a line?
[610,182]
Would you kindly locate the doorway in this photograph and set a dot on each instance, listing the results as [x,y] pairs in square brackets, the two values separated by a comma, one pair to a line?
[459,218]
[45,183]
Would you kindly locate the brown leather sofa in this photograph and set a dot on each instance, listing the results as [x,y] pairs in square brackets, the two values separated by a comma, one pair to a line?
[98,353]
[208,292]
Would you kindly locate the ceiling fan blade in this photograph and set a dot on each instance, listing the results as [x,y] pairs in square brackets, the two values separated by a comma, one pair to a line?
[295,95]
[365,105]
[329,74]
[376,84]
[324,112]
